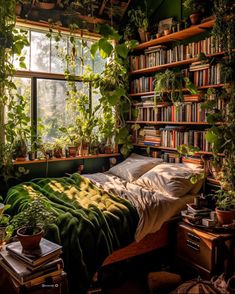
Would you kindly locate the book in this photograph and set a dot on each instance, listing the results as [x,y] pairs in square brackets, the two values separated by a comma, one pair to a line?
[47,251]
[20,271]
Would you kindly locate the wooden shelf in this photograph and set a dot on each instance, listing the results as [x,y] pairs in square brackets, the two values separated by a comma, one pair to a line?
[174,149]
[178,36]
[170,122]
[184,90]
[65,159]
[170,65]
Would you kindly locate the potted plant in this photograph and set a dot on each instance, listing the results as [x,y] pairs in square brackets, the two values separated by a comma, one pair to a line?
[32,222]
[195,9]
[20,149]
[225,206]
[139,19]
[4,220]
[58,146]
[171,83]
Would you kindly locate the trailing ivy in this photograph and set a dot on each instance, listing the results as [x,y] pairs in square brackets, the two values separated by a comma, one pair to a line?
[12,42]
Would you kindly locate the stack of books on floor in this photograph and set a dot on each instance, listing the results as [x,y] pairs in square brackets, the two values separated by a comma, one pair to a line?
[195,214]
[34,267]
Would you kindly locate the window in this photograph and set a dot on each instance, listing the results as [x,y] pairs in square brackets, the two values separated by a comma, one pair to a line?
[45,60]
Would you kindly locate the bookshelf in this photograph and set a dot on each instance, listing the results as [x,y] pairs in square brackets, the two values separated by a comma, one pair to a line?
[164,127]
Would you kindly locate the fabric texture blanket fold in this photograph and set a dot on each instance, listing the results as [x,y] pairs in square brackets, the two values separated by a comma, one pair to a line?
[90,225]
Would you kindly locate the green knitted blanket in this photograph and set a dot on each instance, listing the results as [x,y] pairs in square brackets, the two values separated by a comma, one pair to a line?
[91,223]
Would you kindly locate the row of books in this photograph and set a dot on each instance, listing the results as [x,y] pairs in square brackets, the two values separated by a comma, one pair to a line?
[209,76]
[143,84]
[172,136]
[187,112]
[31,268]
[159,55]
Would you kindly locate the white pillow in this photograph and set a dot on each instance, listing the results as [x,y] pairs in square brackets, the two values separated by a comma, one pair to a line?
[134,167]
[171,179]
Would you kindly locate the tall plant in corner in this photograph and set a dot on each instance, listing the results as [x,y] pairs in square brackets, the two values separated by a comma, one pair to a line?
[222,137]
[11,45]
[113,81]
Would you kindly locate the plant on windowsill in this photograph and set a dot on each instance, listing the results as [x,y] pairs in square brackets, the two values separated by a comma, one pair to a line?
[31,223]
[58,147]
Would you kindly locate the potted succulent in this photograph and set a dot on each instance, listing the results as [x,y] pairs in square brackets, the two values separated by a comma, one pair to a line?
[4,220]
[225,206]
[139,19]
[32,223]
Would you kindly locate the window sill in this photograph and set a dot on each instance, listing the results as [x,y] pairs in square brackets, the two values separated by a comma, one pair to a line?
[65,158]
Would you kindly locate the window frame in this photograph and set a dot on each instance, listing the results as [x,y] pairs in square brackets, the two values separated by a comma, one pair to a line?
[35,75]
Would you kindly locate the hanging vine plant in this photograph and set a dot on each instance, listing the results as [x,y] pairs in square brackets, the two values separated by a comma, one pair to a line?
[222,138]
[113,81]
[11,45]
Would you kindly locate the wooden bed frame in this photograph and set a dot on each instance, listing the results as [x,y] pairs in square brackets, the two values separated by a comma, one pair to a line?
[148,243]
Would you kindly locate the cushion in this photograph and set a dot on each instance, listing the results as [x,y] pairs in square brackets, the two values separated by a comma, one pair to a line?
[134,167]
[171,179]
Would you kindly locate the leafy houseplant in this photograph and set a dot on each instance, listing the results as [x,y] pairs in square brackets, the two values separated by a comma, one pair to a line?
[139,19]
[4,220]
[171,83]
[225,206]
[32,222]
[58,146]
[195,9]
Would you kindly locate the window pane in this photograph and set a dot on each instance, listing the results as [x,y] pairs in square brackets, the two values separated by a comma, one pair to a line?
[40,52]
[58,52]
[87,60]
[99,63]
[23,86]
[51,107]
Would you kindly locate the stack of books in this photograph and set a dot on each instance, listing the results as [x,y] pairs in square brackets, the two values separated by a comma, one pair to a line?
[31,268]
[194,214]
[152,136]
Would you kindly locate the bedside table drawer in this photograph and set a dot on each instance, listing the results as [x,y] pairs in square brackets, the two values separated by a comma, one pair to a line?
[196,249]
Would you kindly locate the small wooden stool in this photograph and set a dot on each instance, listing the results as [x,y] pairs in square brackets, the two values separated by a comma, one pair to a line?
[162,281]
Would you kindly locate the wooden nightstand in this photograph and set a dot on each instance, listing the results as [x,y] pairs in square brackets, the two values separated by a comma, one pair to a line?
[207,253]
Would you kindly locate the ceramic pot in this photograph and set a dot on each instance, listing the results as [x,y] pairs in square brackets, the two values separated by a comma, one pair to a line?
[73,151]
[29,242]
[45,5]
[58,153]
[195,18]
[225,216]
[142,34]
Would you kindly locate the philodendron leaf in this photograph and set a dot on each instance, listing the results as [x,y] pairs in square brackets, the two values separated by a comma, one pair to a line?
[122,50]
[105,48]
[94,48]
[211,136]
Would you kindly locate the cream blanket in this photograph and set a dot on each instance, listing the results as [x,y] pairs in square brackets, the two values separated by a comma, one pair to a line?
[154,208]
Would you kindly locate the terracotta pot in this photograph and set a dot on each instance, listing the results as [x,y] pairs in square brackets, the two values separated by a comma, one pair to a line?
[58,153]
[21,158]
[29,242]
[195,18]
[18,9]
[225,216]
[45,5]
[167,32]
[142,34]
[73,151]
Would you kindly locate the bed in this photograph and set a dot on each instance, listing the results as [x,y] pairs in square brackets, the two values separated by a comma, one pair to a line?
[105,217]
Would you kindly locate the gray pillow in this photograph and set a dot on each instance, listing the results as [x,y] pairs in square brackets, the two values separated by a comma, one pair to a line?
[134,167]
